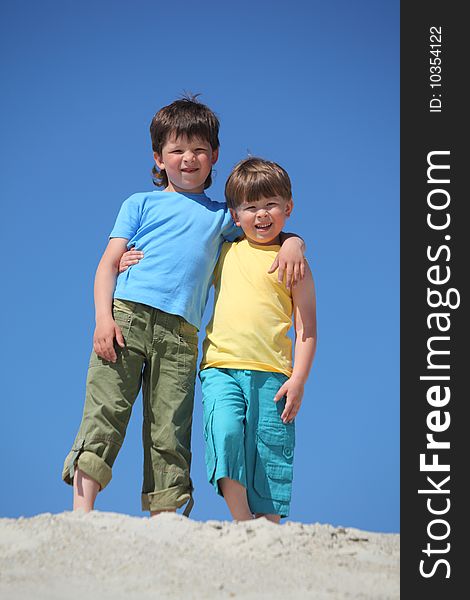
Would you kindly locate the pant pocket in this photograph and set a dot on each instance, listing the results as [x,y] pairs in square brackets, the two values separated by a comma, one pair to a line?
[123,314]
[274,465]
[186,364]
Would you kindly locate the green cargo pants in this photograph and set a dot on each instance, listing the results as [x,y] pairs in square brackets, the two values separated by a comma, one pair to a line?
[160,356]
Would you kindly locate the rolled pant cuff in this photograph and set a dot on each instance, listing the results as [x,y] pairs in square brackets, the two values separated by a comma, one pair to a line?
[92,465]
[169,499]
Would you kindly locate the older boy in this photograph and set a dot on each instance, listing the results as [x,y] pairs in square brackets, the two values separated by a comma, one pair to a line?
[146,325]
[251,393]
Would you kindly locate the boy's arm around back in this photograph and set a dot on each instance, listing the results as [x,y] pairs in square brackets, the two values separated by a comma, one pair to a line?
[305,322]
[105,281]
[290,260]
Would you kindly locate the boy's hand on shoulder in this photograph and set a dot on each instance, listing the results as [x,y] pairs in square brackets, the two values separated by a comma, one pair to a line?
[290,261]
[129,258]
[293,390]
[103,339]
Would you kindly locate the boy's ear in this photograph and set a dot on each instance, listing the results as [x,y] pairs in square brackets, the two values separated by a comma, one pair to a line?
[158,160]
[234,217]
[215,156]
[289,207]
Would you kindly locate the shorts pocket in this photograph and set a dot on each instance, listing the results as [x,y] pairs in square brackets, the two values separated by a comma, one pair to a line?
[210,457]
[274,464]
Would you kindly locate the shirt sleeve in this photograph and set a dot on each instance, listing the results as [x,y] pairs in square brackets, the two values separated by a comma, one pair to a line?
[230,231]
[128,219]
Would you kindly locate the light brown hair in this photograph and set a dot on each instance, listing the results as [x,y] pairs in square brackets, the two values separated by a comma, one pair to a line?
[254,178]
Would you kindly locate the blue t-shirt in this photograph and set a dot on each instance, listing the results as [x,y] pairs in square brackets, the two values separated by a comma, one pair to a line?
[180,236]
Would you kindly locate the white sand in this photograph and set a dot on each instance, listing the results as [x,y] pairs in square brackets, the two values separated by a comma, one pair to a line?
[112,556]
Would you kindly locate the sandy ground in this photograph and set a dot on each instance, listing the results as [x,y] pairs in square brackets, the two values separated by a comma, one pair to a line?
[113,556]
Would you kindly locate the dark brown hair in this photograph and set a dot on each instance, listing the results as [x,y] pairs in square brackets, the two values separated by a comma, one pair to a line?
[186,117]
[254,178]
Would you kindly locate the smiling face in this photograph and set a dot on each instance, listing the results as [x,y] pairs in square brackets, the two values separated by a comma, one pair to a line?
[263,220]
[187,163]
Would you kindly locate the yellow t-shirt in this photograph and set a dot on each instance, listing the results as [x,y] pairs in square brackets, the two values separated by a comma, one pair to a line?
[252,312]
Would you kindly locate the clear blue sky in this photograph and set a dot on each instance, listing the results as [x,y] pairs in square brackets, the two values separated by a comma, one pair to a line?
[311,85]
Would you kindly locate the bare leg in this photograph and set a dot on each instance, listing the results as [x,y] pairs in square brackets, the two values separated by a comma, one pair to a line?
[272,518]
[235,497]
[85,490]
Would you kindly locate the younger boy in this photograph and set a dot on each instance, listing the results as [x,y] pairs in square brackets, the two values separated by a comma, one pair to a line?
[251,393]
[146,325]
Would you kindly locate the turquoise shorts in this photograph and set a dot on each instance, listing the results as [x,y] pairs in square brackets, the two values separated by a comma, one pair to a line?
[245,438]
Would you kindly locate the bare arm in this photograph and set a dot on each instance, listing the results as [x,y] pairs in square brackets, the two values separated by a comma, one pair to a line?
[305,321]
[105,282]
[290,259]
